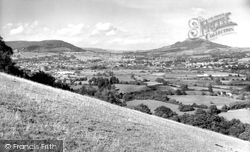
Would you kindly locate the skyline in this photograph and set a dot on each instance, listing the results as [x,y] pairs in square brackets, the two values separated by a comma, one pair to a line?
[117,24]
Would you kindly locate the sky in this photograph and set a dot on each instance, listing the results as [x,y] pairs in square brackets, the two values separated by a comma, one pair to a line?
[118,24]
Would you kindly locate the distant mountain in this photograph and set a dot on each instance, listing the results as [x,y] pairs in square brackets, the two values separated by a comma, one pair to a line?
[187,45]
[98,50]
[42,46]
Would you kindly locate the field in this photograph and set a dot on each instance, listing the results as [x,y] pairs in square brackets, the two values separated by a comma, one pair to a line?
[153,104]
[124,88]
[34,54]
[203,99]
[242,114]
[30,110]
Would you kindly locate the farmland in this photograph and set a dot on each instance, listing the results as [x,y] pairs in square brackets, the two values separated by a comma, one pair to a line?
[203,99]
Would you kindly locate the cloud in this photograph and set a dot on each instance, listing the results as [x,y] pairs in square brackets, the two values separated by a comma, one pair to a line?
[103,26]
[17,30]
[72,30]
[130,40]
[198,11]
[8,25]
[110,33]
[94,42]
[107,29]
[94,32]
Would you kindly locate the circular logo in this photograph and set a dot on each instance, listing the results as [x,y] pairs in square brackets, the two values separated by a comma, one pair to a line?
[7,146]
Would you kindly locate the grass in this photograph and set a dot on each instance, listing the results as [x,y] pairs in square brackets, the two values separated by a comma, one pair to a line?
[153,104]
[242,114]
[203,99]
[33,111]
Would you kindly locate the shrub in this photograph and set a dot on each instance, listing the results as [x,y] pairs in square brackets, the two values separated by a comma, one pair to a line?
[164,112]
[239,105]
[202,106]
[213,110]
[177,92]
[185,108]
[184,87]
[200,111]
[143,108]
[173,101]
[224,108]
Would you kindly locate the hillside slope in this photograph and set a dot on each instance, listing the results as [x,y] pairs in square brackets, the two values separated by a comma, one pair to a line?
[40,46]
[187,45]
[33,111]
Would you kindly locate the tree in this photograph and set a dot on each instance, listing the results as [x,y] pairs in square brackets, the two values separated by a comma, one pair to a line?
[5,57]
[224,108]
[177,92]
[127,97]
[114,80]
[217,81]
[184,87]
[213,110]
[210,87]
[44,78]
[164,112]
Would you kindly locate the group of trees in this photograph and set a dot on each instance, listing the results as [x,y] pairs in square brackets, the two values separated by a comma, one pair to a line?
[161,80]
[206,119]
[103,82]
[152,94]
[5,57]
[105,90]
[145,95]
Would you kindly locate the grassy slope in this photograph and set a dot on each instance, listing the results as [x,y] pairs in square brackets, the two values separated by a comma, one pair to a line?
[31,110]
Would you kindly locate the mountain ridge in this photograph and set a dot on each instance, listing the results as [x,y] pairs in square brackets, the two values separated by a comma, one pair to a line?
[188,44]
[46,45]
[49,45]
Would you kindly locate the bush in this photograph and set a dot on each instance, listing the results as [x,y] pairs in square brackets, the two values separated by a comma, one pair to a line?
[239,105]
[185,108]
[164,112]
[224,108]
[202,106]
[213,110]
[200,111]
[42,77]
[177,92]
[184,87]
[143,108]
[173,101]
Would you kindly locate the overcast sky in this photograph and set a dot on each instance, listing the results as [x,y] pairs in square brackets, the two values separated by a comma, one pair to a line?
[118,24]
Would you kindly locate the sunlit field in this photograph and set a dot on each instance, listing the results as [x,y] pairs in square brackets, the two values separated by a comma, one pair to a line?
[242,114]
[203,99]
